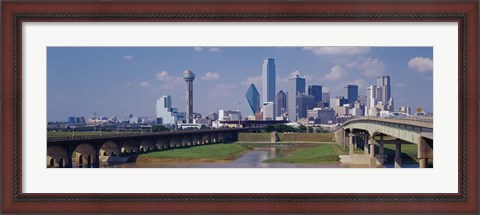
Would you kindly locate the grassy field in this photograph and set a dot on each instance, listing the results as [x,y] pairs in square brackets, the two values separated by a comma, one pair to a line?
[409,152]
[254,137]
[286,137]
[206,153]
[323,153]
[263,145]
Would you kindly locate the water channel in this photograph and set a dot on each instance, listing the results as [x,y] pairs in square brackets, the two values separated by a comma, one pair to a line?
[250,159]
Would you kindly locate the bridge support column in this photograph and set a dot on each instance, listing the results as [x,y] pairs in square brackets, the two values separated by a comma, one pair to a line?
[355,142]
[373,160]
[381,151]
[422,162]
[398,155]
[273,137]
[350,144]
[365,144]
[425,151]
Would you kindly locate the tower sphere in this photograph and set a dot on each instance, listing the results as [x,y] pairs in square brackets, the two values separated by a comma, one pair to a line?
[188,75]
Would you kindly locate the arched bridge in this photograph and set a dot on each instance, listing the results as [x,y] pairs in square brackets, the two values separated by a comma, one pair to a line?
[371,131]
[90,150]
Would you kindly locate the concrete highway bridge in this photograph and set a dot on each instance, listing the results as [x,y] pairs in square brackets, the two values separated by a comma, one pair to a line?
[371,131]
[89,150]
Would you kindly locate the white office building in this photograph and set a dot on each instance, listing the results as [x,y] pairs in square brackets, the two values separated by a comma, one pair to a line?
[226,115]
[164,112]
[268,111]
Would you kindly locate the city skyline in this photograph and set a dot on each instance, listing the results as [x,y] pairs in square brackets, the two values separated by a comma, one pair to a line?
[121,81]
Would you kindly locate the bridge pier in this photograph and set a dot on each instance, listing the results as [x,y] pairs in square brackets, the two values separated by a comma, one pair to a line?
[365,144]
[355,142]
[381,151]
[350,144]
[373,160]
[398,155]
[425,151]
[422,162]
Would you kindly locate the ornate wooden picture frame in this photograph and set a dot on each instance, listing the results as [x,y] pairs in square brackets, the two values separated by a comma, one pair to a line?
[14,13]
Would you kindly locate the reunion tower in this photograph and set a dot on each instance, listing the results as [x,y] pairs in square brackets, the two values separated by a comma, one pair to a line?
[189,76]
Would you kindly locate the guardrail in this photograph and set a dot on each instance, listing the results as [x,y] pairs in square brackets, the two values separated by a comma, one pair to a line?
[149,134]
[422,119]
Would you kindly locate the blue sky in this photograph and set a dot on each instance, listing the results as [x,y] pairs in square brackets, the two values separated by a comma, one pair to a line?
[115,81]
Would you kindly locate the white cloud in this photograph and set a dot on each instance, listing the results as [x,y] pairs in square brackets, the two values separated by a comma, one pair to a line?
[129,84]
[336,72]
[421,64]
[174,84]
[199,49]
[256,80]
[210,76]
[128,57]
[144,84]
[337,51]
[222,90]
[213,49]
[370,67]
[282,79]
[163,76]
[296,72]
[362,84]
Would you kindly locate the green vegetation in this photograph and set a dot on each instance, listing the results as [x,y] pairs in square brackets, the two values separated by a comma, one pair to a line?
[324,153]
[206,153]
[409,152]
[264,145]
[159,128]
[286,137]
[304,137]
[254,137]
[286,128]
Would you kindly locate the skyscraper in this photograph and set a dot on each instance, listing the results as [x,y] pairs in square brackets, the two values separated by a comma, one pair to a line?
[281,103]
[316,92]
[268,81]
[164,112]
[374,95]
[384,83]
[304,102]
[253,99]
[267,111]
[189,76]
[296,86]
[352,93]
[326,96]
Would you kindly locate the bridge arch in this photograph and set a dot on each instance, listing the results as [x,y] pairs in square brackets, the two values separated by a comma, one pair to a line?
[130,146]
[58,156]
[85,155]
[147,145]
[162,143]
[109,148]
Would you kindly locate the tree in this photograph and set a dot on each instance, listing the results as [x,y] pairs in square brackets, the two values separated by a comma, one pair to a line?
[302,128]
[269,128]
[159,128]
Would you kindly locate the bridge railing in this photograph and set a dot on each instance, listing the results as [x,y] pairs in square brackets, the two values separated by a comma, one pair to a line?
[110,136]
[412,118]
[405,118]
[426,120]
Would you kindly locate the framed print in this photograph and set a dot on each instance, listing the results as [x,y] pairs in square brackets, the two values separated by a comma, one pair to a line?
[146,107]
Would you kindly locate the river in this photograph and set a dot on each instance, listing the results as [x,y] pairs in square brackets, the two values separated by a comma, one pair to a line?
[250,159]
